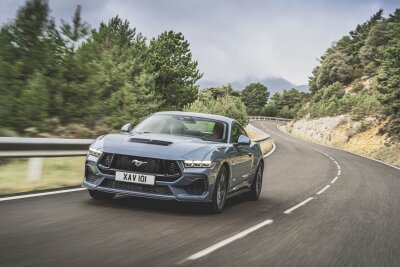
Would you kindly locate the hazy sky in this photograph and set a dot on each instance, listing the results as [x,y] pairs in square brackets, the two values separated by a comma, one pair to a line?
[234,39]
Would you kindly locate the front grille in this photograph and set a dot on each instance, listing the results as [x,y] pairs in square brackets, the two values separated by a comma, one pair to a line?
[197,188]
[157,189]
[166,169]
[127,163]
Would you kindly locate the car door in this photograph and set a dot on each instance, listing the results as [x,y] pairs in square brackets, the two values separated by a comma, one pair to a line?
[241,158]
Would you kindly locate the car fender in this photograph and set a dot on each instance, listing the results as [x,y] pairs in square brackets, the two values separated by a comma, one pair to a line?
[218,155]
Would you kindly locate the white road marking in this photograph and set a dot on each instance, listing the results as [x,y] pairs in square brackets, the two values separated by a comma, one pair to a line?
[338,172]
[323,189]
[334,180]
[225,242]
[288,211]
[42,194]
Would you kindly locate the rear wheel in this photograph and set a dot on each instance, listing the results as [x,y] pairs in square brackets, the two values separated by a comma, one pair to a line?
[220,190]
[255,189]
[100,195]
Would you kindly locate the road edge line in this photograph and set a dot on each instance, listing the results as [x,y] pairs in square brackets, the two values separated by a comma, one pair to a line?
[41,194]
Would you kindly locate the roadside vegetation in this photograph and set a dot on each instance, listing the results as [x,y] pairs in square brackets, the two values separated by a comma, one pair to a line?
[355,92]
[360,75]
[221,101]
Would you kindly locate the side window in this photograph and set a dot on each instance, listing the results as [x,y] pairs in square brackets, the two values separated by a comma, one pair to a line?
[236,132]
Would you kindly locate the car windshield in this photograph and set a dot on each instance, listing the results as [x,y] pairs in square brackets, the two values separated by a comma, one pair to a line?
[205,129]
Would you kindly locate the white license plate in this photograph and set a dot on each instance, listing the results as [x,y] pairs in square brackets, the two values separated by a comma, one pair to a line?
[136,178]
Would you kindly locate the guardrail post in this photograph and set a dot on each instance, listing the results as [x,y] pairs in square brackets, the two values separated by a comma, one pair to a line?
[35,167]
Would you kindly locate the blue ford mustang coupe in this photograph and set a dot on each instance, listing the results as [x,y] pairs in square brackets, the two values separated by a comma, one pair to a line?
[182,156]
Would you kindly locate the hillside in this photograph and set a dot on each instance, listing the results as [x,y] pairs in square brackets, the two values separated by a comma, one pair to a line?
[355,92]
[370,53]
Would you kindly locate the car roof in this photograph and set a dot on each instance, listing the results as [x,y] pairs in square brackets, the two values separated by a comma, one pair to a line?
[198,115]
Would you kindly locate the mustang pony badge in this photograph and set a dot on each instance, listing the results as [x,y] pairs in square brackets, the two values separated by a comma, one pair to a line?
[138,162]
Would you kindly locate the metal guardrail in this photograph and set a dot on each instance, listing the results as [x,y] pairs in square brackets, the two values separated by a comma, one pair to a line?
[20,147]
[268,118]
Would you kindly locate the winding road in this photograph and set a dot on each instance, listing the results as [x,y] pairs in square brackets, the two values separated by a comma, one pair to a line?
[319,207]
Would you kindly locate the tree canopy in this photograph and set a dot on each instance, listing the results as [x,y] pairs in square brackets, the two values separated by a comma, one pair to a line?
[106,75]
[225,104]
[255,97]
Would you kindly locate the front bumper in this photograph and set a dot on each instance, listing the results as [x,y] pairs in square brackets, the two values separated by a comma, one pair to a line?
[194,185]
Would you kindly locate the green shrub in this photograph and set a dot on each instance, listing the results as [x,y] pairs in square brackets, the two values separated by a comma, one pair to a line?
[365,105]
[357,86]
[5,132]
[226,105]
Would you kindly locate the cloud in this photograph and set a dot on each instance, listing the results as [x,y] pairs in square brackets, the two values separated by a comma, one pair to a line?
[233,40]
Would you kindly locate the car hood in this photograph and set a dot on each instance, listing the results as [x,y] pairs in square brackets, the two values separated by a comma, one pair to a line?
[164,146]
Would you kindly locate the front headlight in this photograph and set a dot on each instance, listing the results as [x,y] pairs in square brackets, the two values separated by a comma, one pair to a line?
[198,164]
[95,152]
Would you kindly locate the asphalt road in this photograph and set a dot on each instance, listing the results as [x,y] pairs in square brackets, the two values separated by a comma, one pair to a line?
[355,221]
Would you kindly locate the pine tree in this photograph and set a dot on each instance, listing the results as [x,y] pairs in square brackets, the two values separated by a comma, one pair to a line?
[176,72]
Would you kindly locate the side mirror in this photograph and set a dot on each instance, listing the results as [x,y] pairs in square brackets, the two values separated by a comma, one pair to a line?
[243,140]
[126,128]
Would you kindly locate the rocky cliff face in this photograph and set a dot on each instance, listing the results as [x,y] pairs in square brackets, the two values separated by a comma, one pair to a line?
[341,131]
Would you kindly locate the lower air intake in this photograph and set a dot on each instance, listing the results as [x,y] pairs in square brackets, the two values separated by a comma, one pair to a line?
[157,189]
[196,188]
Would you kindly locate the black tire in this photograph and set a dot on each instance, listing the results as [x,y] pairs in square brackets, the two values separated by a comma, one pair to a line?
[219,197]
[101,195]
[256,186]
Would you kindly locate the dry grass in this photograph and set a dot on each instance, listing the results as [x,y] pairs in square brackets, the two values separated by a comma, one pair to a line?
[57,172]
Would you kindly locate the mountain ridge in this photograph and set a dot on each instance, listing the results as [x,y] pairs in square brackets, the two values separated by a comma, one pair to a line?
[274,84]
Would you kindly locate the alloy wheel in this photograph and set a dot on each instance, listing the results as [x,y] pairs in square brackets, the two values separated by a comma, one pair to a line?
[221,191]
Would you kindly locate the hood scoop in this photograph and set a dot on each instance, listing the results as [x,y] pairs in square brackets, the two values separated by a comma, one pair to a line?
[150,141]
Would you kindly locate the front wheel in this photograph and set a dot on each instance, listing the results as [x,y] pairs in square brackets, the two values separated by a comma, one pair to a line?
[255,189]
[220,190]
[100,195]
